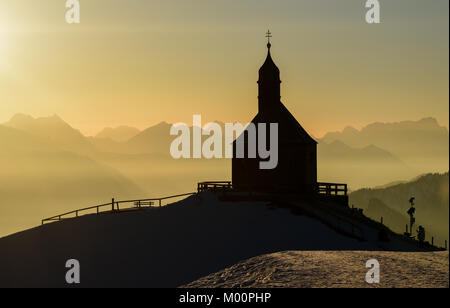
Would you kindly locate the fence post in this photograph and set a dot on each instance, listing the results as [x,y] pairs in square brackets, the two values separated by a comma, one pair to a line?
[445,244]
[112,205]
[160,202]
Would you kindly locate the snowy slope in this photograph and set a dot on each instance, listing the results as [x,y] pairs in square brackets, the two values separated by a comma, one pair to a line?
[162,247]
[332,269]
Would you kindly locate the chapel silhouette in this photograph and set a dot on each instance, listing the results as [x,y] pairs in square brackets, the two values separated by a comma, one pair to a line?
[297,152]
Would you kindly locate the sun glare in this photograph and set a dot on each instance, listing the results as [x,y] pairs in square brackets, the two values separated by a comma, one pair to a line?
[3,35]
[5,47]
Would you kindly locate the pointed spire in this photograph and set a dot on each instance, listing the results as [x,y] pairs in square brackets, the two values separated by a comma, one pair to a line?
[268,82]
[269,70]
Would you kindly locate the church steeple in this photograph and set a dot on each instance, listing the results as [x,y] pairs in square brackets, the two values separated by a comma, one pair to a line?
[269,82]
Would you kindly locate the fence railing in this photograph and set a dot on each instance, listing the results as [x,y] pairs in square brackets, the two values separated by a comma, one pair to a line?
[114,206]
[335,220]
[332,189]
[214,186]
[321,188]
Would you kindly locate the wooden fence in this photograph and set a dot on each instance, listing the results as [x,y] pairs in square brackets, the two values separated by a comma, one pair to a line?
[114,206]
[329,189]
[214,186]
[332,189]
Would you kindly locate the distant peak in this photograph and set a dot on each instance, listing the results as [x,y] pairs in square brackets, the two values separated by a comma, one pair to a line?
[372,147]
[162,123]
[338,143]
[21,117]
[56,117]
[350,129]
[119,133]
[429,120]
[426,120]
[20,120]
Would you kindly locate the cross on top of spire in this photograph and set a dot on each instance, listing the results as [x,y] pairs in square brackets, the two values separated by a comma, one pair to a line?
[268,35]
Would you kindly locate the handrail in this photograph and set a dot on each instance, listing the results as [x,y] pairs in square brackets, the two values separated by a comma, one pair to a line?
[214,186]
[216,182]
[332,189]
[341,224]
[329,189]
[113,205]
[79,210]
[156,199]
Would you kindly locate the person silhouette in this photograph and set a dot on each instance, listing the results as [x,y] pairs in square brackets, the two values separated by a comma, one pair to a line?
[421,234]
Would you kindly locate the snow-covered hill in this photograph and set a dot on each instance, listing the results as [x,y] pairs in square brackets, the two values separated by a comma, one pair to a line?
[332,269]
[164,247]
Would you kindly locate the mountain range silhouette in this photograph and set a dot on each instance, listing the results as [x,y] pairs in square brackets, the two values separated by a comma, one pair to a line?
[59,168]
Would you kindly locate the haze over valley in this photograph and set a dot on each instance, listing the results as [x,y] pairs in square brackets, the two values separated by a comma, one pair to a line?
[49,167]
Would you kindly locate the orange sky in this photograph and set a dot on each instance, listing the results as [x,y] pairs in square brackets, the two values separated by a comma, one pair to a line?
[140,62]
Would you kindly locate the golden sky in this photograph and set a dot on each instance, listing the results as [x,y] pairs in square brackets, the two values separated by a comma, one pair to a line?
[137,62]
